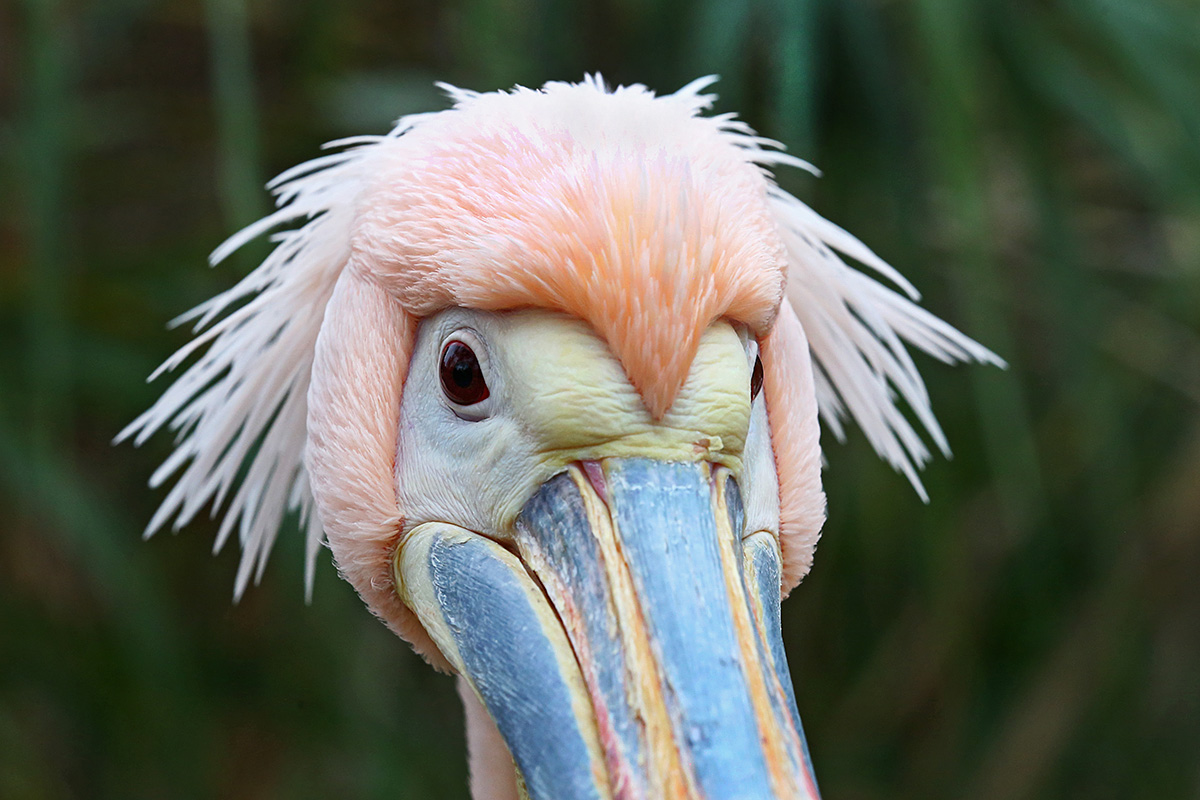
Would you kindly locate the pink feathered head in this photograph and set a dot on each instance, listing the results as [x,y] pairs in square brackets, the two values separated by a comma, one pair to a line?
[633,212]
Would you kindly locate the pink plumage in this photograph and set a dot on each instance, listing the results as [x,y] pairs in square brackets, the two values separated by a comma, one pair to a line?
[634,212]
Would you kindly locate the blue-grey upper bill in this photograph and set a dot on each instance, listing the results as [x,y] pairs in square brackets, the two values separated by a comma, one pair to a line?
[675,683]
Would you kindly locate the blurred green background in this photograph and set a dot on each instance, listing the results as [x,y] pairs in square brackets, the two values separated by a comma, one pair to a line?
[1033,632]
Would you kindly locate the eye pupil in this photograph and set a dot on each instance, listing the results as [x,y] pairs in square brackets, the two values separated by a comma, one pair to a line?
[756,379]
[462,379]
[463,374]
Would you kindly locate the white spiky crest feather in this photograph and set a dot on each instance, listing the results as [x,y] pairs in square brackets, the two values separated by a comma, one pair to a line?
[240,409]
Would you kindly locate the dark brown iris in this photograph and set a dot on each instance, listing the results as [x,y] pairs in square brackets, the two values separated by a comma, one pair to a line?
[462,379]
[756,379]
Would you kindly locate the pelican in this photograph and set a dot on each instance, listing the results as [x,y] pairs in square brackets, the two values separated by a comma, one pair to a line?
[545,370]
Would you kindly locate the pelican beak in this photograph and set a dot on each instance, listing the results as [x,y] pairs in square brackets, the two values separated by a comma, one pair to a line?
[627,641]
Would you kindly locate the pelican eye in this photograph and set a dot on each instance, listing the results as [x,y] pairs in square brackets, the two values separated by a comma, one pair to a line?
[462,379]
[756,378]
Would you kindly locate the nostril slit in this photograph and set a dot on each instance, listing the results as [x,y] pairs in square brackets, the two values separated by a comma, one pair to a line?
[733,502]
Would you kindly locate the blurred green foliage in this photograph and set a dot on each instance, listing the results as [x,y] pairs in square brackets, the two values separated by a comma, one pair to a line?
[1034,632]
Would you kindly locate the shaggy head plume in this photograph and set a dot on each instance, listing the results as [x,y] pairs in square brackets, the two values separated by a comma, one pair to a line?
[631,211]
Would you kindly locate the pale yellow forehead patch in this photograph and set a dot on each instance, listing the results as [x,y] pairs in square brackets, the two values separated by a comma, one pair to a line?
[626,210]
[577,405]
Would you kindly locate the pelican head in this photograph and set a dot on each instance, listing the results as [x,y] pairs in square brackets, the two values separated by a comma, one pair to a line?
[545,371]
